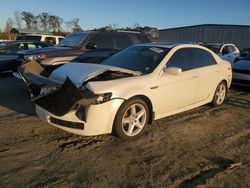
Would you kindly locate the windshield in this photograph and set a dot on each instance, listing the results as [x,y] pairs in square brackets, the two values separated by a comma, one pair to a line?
[214,48]
[138,58]
[73,40]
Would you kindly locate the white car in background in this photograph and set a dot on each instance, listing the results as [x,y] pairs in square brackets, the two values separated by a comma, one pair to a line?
[51,39]
[228,52]
[130,89]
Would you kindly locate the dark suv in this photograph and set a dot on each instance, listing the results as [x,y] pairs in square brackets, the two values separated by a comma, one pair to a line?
[89,47]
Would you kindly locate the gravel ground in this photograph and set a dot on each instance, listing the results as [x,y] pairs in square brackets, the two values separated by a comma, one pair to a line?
[204,147]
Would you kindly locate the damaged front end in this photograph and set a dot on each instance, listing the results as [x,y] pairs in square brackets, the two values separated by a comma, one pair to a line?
[36,77]
[65,89]
[67,98]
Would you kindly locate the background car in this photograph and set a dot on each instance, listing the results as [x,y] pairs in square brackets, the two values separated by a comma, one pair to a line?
[51,39]
[241,71]
[89,47]
[228,52]
[8,53]
[131,88]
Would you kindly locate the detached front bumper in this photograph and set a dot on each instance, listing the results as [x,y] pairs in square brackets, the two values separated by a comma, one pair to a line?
[99,119]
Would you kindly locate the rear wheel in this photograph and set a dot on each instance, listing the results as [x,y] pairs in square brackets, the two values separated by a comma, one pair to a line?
[220,94]
[131,119]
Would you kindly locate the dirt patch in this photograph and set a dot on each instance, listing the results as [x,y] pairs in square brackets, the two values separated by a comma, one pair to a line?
[204,147]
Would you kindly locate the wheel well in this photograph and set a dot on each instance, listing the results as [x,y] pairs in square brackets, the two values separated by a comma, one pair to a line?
[150,107]
[225,81]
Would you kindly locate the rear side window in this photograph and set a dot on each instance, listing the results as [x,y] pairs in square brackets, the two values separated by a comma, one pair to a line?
[102,40]
[232,48]
[123,41]
[201,58]
[182,59]
[143,38]
[191,58]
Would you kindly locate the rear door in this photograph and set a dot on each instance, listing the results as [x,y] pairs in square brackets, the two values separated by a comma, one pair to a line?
[208,73]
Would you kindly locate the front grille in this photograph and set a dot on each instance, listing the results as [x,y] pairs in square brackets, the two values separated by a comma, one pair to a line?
[241,82]
[241,71]
[69,124]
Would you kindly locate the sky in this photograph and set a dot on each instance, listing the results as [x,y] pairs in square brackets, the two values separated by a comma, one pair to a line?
[156,13]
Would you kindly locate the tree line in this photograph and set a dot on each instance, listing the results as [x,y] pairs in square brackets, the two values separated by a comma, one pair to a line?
[57,25]
[43,21]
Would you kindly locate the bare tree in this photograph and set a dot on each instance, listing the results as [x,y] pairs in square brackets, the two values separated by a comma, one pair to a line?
[115,26]
[18,19]
[136,26]
[44,20]
[30,19]
[55,23]
[8,26]
[76,26]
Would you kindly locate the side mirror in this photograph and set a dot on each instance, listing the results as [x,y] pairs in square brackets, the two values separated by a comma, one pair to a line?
[91,46]
[172,70]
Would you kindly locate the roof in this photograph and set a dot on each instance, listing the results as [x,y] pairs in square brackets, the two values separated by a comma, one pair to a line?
[164,44]
[29,31]
[206,25]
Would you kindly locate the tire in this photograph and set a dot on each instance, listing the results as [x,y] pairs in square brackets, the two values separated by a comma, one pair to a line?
[131,119]
[220,94]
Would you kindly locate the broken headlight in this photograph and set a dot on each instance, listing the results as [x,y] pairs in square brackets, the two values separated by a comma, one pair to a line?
[103,98]
[47,90]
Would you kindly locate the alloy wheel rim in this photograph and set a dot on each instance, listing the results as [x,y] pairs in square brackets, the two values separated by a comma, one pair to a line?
[134,119]
[220,94]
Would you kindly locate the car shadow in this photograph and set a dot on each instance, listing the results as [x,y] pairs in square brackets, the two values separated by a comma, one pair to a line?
[14,95]
[240,88]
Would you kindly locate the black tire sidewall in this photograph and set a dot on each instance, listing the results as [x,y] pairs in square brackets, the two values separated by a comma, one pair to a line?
[117,126]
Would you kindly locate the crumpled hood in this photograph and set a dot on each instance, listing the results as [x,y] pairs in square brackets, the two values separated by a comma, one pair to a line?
[81,72]
[242,65]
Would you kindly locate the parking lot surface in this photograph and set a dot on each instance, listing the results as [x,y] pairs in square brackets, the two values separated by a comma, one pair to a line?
[204,147]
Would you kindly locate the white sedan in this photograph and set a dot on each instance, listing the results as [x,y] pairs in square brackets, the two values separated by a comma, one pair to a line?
[129,90]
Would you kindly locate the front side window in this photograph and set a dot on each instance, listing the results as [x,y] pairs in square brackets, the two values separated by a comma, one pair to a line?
[226,50]
[182,59]
[102,40]
[73,40]
[138,58]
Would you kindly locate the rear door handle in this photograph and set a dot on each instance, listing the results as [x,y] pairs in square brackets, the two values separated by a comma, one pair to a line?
[195,76]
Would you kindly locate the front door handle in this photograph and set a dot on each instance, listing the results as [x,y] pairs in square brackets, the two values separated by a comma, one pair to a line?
[195,76]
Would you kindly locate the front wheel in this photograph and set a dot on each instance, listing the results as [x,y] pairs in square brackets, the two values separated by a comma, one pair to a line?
[220,94]
[131,119]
